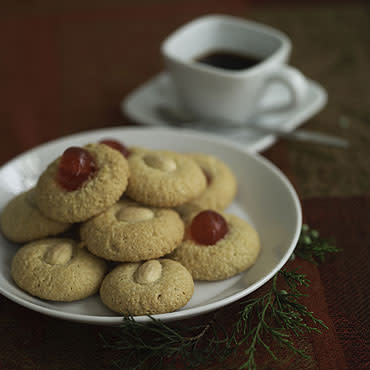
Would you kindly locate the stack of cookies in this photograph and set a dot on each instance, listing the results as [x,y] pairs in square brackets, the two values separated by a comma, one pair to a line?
[145,224]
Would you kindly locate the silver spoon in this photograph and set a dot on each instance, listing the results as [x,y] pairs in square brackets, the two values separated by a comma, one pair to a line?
[181,119]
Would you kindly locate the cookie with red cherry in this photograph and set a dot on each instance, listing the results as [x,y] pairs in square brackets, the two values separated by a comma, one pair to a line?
[82,183]
[129,232]
[147,288]
[162,178]
[217,246]
[221,184]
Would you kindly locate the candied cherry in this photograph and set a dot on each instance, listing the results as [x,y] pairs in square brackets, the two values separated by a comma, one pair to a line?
[116,145]
[208,227]
[75,167]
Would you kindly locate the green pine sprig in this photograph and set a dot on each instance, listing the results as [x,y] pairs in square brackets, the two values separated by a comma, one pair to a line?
[155,345]
[277,316]
[311,247]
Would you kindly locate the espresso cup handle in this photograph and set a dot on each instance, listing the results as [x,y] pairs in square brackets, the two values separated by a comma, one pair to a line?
[294,81]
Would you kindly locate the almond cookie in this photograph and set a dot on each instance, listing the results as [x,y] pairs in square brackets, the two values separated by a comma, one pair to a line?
[236,251]
[152,287]
[221,184]
[22,222]
[96,194]
[130,232]
[57,269]
[164,178]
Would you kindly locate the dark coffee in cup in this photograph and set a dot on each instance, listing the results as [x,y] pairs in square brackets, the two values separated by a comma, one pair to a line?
[226,59]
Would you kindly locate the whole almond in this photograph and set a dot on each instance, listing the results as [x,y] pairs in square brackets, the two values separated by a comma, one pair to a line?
[160,162]
[59,254]
[134,214]
[148,272]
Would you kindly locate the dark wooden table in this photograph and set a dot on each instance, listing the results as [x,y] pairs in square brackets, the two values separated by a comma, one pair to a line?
[65,68]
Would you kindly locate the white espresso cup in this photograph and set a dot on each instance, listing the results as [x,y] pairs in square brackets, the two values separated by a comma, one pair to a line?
[230,92]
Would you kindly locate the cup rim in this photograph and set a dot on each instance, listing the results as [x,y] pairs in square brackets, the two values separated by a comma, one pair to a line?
[285,45]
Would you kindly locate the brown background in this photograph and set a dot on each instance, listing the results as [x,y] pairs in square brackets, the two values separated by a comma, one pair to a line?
[65,68]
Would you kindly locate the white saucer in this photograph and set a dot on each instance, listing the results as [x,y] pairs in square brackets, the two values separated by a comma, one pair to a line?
[141,103]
